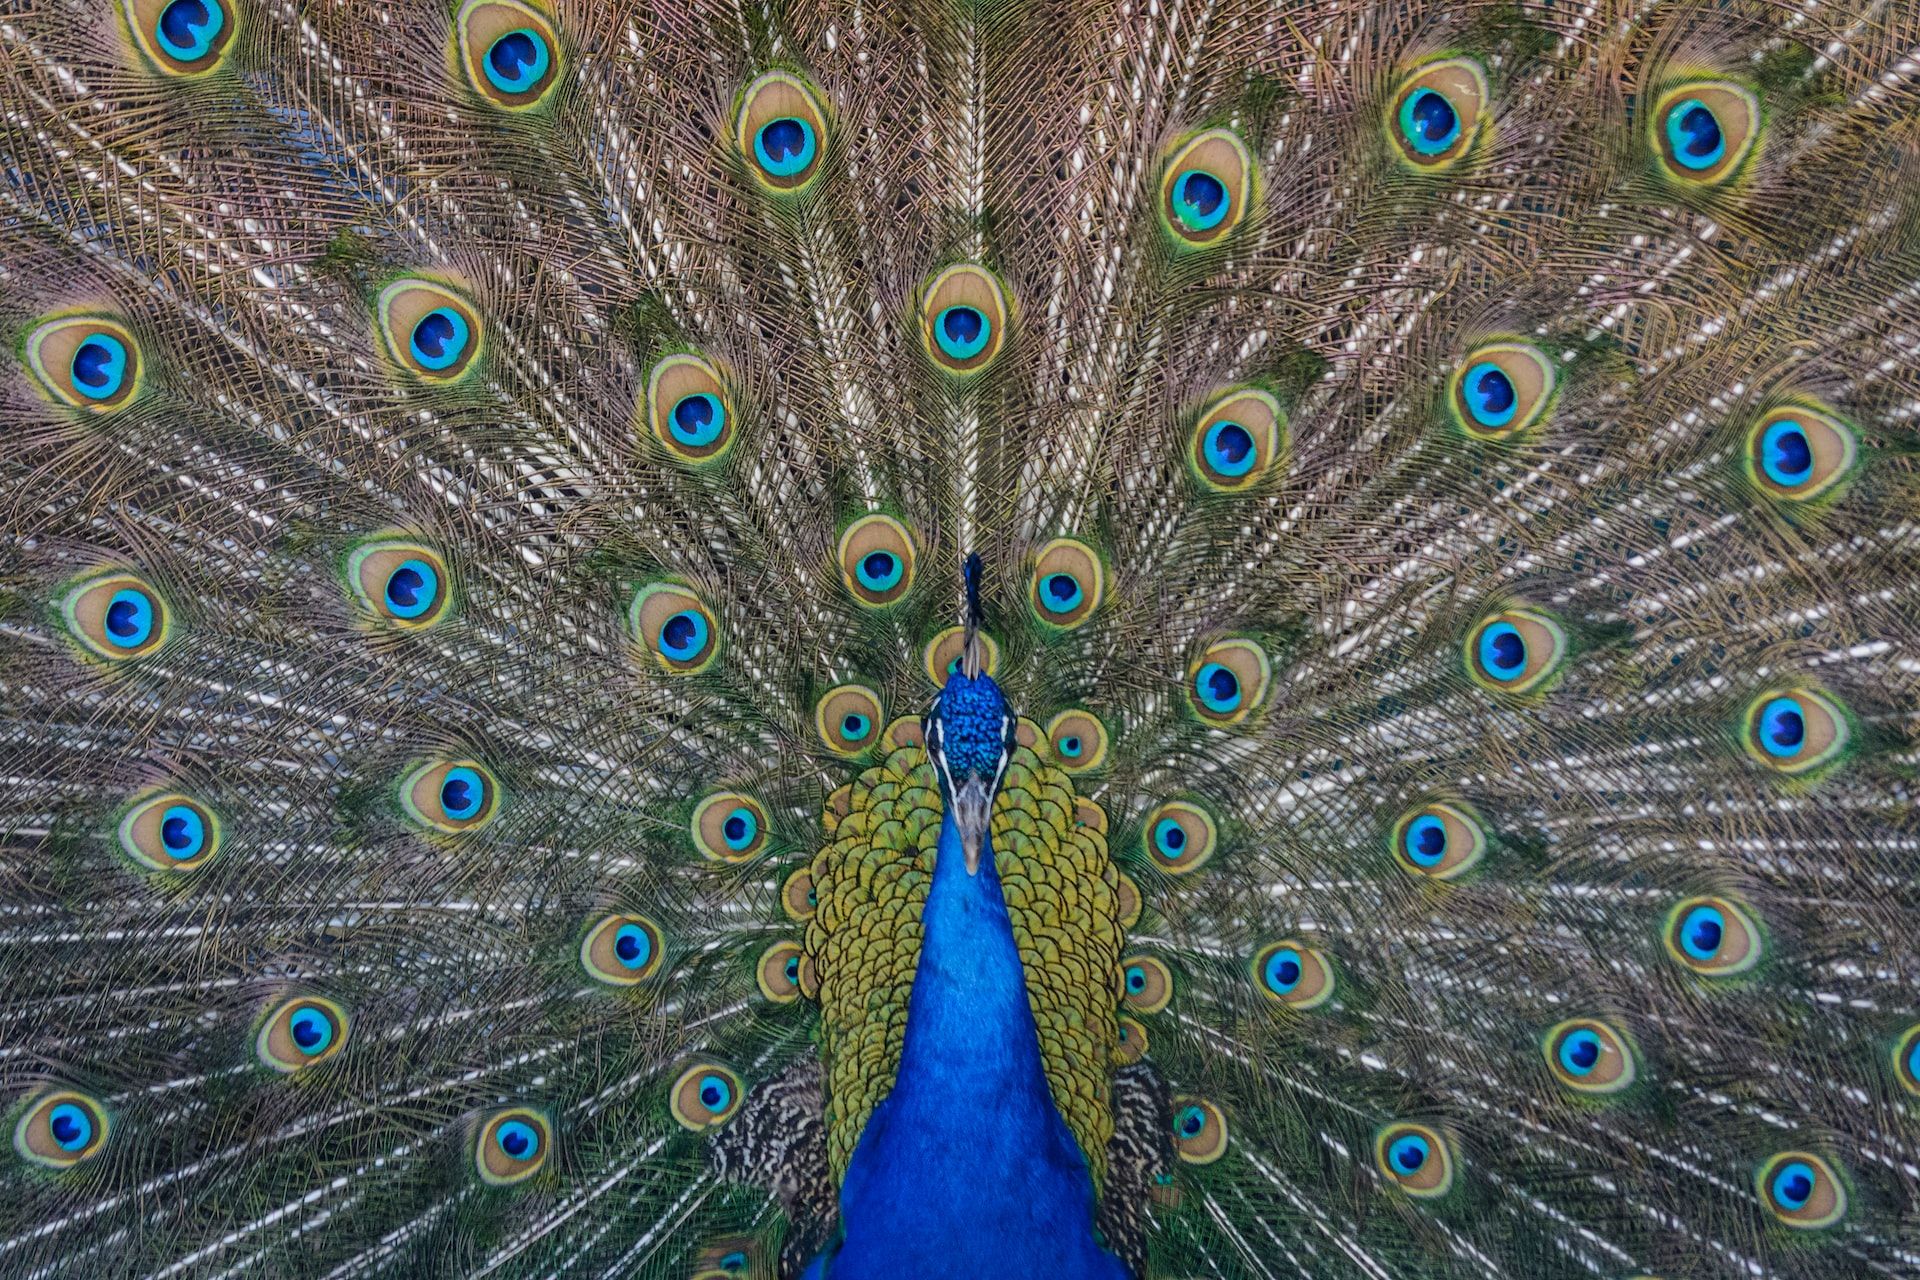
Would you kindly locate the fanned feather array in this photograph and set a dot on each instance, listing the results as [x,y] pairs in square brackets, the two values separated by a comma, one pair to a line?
[480,481]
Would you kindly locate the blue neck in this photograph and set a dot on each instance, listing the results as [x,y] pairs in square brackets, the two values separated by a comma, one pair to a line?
[966,1170]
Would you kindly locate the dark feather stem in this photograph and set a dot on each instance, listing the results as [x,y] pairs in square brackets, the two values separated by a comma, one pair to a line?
[971,659]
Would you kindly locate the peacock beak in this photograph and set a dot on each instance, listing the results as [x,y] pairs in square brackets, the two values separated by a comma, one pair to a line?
[972,811]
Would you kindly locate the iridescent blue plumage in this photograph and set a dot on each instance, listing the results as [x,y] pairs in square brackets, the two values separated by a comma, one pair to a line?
[967,1170]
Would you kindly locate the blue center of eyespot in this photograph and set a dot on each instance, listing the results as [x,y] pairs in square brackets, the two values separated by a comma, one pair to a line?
[880,570]
[1060,592]
[1579,1052]
[1428,122]
[312,1031]
[1200,200]
[735,1261]
[1913,1059]
[412,588]
[1701,931]
[1283,971]
[182,832]
[1190,1122]
[461,793]
[1783,727]
[1169,837]
[1219,688]
[740,828]
[1426,840]
[962,332]
[129,618]
[517,61]
[632,946]
[1793,1185]
[99,367]
[72,1128]
[792,969]
[1785,453]
[715,1093]
[1503,654]
[684,635]
[1136,979]
[1490,396]
[784,147]
[1070,747]
[1407,1153]
[1694,134]
[854,726]
[1229,449]
[698,419]
[188,28]
[439,338]
[518,1139]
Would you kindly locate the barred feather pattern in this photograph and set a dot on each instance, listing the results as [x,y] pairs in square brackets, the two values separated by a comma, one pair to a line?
[238,227]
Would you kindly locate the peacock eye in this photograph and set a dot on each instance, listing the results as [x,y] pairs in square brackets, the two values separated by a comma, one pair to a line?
[60,1128]
[942,655]
[170,832]
[512,1146]
[429,330]
[1515,651]
[729,826]
[1146,985]
[687,409]
[1180,836]
[1067,583]
[676,626]
[451,796]
[301,1033]
[964,311]
[1130,1041]
[1802,1190]
[781,130]
[621,950]
[399,582]
[182,37]
[510,52]
[1438,113]
[1795,731]
[705,1095]
[1589,1056]
[1906,1059]
[1199,1130]
[1704,132]
[1228,681]
[1126,893]
[876,560]
[84,361]
[797,897]
[778,972]
[1416,1158]
[1799,453]
[846,717]
[1440,841]
[115,616]
[1238,439]
[1206,188]
[1500,390]
[1079,740]
[1713,937]
[1293,974]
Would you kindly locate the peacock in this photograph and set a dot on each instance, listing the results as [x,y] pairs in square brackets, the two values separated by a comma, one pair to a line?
[1140,640]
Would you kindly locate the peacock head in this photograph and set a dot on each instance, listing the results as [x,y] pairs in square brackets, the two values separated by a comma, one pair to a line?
[970,733]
